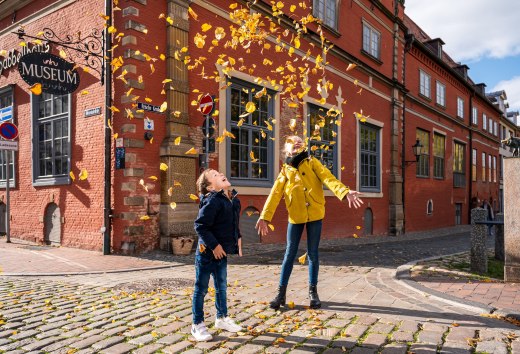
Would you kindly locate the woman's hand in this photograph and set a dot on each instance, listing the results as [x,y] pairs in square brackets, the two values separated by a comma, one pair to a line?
[240,247]
[219,252]
[353,199]
[261,226]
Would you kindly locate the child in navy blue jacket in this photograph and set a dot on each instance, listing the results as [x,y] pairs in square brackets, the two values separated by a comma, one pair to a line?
[219,235]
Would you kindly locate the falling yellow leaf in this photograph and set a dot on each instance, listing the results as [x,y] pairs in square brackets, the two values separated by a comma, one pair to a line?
[116,135]
[292,8]
[358,227]
[22,44]
[144,217]
[169,20]
[252,156]
[250,107]
[163,166]
[355,235]
[202,248]
[290,304]
[302,258]
[152,68]
[163,107]
[170,191]
[165,81]
[62,53]
[83,175]
[194,197]
[177,140]
[206,27]
[173,205]
[233,6]
[84,92]
[240,122]
[36,89]
[271,226]
[153,178]
[112,29]
[219,33]
[199,40]
[72,176]
[192,13]
[191,151]
[351,66]
[114,109]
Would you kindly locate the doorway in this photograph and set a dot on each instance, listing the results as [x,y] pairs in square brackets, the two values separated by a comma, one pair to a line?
[52,225]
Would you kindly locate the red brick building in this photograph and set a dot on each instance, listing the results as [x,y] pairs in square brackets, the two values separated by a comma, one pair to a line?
[373,83]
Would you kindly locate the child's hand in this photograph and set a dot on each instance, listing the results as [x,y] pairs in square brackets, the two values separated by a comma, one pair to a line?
[240,247]
[219,253]
[353,199]
[261,226]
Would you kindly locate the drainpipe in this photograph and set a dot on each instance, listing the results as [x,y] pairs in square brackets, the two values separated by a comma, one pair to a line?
[470,179]
[408,45]
[107,209]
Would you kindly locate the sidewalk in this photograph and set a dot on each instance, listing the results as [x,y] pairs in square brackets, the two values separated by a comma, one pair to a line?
[23,259]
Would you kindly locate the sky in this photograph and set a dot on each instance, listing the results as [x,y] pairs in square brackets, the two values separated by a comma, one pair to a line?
[482,34]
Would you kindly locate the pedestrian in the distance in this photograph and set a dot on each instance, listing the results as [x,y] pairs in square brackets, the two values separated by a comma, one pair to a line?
[219,235]
[300,182]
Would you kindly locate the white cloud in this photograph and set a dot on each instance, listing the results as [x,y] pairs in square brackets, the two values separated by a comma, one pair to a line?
[472,29]
[512,88]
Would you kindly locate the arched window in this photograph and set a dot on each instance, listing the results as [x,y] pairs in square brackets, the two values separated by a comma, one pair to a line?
[429,207]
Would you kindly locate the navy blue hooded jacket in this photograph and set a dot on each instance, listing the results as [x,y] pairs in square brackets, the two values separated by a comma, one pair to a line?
[217,222]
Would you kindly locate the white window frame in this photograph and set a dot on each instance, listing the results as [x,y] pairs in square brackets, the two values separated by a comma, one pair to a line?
[371,41]
[321,8]
[474,116]
[460,107]
[424,84]
[490,125]
[441,94]
[484,121]
[483,169]
[495,128]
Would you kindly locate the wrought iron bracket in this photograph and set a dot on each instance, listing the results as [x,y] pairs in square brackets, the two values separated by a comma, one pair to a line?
[83,50]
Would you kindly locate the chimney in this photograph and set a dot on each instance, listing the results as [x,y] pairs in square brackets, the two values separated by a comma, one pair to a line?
[435,45]
[481,88]
[462,70]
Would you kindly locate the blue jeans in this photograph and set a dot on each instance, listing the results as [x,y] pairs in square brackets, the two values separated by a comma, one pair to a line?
[206,266]
[294,234]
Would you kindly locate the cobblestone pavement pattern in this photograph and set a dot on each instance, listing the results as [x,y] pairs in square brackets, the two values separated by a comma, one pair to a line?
[366,310]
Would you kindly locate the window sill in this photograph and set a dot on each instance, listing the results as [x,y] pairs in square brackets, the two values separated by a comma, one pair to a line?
[51,181]
[252,190]
[439,178]
[440,106]
[12,185]
[332,30]
[423,177]
[372,194]
[425,97]
[370,56]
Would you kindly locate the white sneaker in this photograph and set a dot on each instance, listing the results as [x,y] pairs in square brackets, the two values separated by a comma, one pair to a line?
[227,324]
[200,332]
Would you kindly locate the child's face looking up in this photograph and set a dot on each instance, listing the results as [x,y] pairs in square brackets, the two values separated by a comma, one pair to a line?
[293,145]
[217,181]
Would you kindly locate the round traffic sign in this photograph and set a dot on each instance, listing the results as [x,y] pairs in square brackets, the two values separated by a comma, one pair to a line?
[8,131]
[206,104]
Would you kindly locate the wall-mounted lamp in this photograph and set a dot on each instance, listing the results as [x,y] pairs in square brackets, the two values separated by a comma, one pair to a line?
[417,150]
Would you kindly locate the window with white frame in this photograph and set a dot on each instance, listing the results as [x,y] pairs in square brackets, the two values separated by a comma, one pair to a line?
[474,165]
[490,125]
[474,116]
[7,115]
[370,158]
[483,167]
[424,84]
[441,94]
[51,139]
[460,107]
[423,165]
[495,128]
[327,12]
[322,137]
[250,157]
[484,121]
[371,41]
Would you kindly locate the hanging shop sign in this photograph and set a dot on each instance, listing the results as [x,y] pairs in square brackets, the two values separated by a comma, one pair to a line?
[57,76]
[12,57]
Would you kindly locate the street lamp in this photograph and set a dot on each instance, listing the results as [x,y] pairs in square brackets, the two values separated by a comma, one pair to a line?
[417,150]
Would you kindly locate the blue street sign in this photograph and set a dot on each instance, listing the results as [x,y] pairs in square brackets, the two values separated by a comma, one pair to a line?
[6,113]
[8,131]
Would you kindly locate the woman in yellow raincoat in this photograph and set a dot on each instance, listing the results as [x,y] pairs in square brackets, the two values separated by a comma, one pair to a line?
[300,182]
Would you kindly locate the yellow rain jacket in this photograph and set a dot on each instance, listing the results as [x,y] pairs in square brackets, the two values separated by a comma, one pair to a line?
[302,189]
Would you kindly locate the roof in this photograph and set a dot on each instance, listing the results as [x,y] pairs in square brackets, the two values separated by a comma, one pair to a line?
[497,94]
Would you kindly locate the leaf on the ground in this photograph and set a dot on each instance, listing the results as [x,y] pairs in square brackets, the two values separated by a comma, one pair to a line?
[302,258]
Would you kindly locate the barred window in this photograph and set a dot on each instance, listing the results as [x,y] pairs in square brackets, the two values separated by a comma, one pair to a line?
[423,165]
[322,137]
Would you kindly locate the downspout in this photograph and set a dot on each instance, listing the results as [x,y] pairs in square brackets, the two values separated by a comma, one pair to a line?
[409,43]
[470,179]
[107,209]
